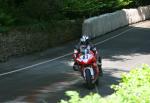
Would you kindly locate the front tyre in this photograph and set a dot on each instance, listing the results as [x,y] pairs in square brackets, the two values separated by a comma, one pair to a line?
[88,78]
[97,81]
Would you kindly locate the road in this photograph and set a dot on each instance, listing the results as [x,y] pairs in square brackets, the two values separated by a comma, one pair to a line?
[44,77]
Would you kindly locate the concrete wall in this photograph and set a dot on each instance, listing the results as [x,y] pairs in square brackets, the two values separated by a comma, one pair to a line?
[102,24]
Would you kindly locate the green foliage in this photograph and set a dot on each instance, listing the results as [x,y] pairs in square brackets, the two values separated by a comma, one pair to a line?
[5,19]
[123,3]
[141,2]
[134,87]
[45,10]
[81,8]
[33,12]
[74,98]
[40,10]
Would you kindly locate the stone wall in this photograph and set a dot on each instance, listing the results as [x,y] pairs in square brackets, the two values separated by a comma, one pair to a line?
[21,41]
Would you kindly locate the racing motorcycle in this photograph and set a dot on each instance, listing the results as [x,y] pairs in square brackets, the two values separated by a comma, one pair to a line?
[87,65]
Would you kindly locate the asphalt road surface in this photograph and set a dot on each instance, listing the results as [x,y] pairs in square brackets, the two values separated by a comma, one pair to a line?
[44,77]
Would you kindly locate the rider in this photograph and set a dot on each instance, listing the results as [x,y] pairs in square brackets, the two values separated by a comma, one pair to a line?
[84,41]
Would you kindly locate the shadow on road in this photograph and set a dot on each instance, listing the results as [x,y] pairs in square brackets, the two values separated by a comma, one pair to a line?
[132,43]
[111,77]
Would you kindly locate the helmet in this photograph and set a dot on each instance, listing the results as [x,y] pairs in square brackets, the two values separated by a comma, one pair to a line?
[84,40]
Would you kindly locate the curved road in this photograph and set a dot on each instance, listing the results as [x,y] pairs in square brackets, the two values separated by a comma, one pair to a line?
[44,77]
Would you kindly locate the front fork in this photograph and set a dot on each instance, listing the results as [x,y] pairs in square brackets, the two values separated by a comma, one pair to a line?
[91,72]
[94,71]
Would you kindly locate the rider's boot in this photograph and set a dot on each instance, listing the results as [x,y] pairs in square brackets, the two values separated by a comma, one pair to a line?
[99,63]
[75,67]
[100,69]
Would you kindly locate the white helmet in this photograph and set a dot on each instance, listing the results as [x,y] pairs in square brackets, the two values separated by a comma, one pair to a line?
[84,39]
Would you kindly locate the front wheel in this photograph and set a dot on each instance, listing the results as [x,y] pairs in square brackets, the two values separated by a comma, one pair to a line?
[97,81]
[88,78]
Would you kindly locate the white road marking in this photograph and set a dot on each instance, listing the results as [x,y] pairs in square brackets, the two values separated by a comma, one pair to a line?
[98,43]
[14,71]
[34,65]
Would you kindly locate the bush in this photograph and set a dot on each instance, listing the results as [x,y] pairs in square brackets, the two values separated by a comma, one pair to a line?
[134,87]
[88,8]
[5,19]
[65,9]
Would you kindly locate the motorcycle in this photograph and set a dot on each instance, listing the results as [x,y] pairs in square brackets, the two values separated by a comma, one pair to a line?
[88,67]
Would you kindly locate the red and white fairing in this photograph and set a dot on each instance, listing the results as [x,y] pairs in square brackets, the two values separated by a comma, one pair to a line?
[88,61]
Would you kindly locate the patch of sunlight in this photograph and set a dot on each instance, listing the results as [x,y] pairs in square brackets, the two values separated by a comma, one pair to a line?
[142,25]
[58,86]
[68,63]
